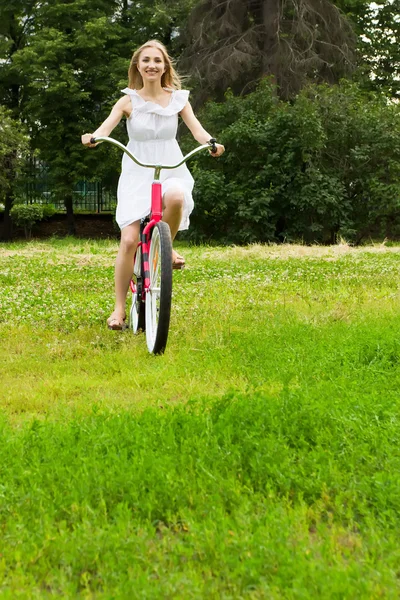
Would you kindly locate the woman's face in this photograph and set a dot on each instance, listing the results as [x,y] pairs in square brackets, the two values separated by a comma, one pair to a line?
[151,64]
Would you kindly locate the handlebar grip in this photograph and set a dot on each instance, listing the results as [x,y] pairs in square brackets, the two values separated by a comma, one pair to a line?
[212,143]
[92,140]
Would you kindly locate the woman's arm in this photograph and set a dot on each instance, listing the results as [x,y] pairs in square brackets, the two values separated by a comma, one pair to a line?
[120,108]
[197,130]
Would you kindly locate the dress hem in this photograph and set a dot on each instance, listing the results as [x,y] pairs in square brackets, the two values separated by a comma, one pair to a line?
[130,221]
[183,226]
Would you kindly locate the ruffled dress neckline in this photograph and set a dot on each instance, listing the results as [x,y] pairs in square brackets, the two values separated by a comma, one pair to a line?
[176,104]
[171,94]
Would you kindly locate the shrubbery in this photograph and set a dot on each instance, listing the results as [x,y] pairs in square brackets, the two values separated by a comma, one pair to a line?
[323,166]
[26,215]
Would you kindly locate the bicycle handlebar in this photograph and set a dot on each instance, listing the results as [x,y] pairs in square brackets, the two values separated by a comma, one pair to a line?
[100,139]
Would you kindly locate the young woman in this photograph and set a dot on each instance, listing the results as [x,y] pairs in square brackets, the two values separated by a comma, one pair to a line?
[152,103]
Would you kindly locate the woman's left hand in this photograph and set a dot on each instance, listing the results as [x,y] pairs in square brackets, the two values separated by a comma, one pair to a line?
[220,150]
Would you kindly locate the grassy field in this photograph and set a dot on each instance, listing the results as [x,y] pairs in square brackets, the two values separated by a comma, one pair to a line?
[258,458]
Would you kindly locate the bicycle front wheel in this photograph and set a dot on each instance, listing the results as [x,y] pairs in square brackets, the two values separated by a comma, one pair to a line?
[158,296]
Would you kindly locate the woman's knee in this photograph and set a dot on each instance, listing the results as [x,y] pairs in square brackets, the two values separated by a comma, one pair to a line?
[174,200]
[129,239]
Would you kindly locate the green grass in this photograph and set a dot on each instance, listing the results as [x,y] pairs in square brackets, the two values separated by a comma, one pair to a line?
[258,458]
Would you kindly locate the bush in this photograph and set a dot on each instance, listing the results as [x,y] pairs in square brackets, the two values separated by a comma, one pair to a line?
[323,166]
[48,211]
[26,215]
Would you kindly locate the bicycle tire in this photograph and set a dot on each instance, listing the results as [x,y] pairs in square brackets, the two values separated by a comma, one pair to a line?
[137,319]
[159,294]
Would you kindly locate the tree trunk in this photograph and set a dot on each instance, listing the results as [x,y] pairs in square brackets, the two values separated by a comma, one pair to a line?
[270,16]
[9,199]
[68,201]
[7,224]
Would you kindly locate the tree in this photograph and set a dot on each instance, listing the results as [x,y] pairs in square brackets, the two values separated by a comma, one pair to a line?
[377,26]
[15,27]
[381,47]
[13,143]
[233,43]
[69,65]
[322,165]
[64,63]
[16,20]
[164,20]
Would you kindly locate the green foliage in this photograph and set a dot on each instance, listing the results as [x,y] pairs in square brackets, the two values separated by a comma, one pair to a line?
[27,215]
[363,152]
[13,143]
[326,164]
[377,25]
[72,68]
[63,67]
[48,210]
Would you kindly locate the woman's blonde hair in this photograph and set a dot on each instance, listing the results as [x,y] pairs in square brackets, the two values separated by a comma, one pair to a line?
[170,77]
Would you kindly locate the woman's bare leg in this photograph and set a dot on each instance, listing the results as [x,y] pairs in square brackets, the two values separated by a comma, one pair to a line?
[172,214]
[124,270]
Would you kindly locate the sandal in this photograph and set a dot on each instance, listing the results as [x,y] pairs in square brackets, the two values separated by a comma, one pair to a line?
[115,323]
[178,262]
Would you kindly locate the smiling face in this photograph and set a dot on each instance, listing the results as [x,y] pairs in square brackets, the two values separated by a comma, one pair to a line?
[151,64]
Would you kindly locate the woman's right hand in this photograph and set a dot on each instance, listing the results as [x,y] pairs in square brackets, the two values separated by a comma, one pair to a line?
[85,138]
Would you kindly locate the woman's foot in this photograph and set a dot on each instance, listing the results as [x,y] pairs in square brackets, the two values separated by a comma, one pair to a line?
[116,321]
[178,262]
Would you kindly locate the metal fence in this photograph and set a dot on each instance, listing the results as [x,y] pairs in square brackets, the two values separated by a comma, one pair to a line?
[35,186]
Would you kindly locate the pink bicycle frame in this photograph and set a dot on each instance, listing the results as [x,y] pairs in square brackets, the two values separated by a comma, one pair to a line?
[156,216]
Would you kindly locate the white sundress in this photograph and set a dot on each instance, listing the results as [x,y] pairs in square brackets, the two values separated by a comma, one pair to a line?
[152,130]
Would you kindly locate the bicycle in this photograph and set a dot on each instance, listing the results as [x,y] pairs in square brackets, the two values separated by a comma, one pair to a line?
[151,283]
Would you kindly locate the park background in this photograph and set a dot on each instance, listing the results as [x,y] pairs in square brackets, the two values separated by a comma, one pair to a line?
[303,93]
[258,458]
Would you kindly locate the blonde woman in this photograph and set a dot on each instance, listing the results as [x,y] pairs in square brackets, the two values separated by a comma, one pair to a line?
[151,106]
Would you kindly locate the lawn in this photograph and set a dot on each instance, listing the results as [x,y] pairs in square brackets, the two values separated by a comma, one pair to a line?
[258,458]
